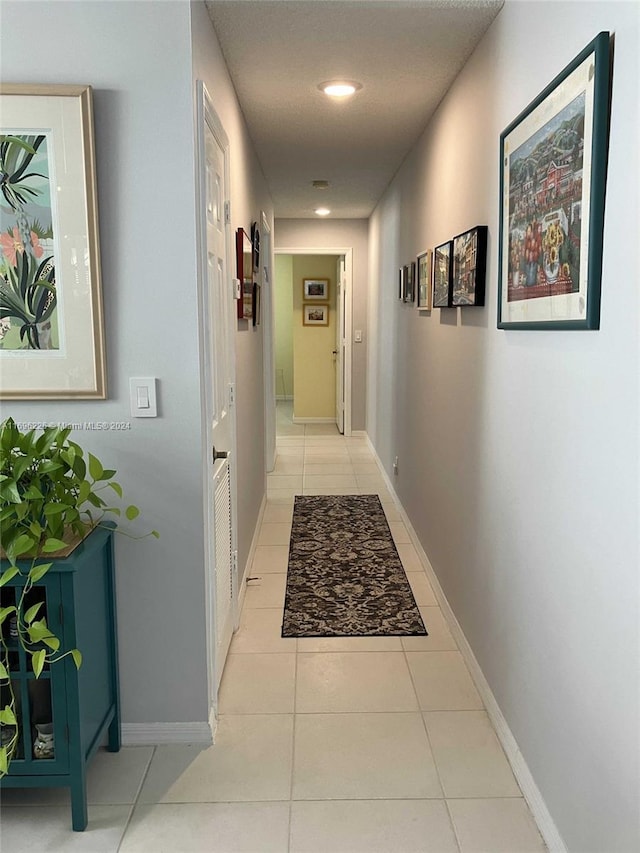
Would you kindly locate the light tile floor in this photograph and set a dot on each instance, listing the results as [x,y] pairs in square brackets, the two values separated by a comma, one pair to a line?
[337,745]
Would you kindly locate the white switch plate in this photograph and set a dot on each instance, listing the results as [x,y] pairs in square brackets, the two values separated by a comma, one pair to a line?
[357,336]
[142,397]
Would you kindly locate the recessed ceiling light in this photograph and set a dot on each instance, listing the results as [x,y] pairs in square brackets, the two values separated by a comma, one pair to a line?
[339,88]
[320,185]
[322,211]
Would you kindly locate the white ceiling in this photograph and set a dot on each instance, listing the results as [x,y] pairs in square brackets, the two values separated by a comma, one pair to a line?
[406,53]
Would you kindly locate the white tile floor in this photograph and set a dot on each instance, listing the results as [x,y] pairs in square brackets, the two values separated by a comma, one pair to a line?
[363,745]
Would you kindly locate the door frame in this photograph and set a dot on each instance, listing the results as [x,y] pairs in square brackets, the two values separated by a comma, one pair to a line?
[348,316]
[205,113]
[268,340]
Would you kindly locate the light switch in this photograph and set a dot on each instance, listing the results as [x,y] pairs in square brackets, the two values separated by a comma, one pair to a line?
[142,397]
[357,336]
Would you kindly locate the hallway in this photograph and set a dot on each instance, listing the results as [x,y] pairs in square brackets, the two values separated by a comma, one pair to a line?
[356,745]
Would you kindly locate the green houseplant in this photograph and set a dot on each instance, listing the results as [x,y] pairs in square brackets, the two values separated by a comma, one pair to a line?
[52,494]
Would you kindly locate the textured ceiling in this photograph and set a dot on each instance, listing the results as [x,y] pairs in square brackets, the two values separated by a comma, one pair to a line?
[406,53]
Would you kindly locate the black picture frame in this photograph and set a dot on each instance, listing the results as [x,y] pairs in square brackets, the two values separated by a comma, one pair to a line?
[468,268]
[409,290]
[442,281]
[244,268]
[553,162]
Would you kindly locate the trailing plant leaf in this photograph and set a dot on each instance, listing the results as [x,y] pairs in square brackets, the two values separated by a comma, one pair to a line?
[8,574]
[76,654]
[37,661]
[6,611]
[38,572]
[32,612]
[52,544]
[132,512]
[7,717]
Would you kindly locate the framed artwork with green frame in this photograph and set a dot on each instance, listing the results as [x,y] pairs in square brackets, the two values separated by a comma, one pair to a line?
[553,162]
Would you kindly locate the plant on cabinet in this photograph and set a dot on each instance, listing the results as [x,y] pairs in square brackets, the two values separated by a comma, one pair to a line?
[53,495]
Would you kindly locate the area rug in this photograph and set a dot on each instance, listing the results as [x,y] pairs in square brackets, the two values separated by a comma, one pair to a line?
[345,578]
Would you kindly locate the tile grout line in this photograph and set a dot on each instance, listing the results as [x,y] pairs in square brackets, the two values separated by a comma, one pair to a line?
[136,799]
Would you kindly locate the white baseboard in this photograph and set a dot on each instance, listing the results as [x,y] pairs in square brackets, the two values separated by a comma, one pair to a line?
[150,734]
[313,420]
[283,397]
[359,433]
[528,786]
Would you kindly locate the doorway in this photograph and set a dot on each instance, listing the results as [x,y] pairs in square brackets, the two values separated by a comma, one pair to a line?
[312,335]
[217,323]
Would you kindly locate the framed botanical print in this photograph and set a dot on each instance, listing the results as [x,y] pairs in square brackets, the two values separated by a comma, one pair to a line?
[51,316]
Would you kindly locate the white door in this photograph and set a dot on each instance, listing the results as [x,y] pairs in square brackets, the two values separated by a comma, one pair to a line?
[217,309]
[340,343]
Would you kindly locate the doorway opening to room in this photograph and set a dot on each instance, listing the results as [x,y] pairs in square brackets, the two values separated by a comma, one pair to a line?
[312,340]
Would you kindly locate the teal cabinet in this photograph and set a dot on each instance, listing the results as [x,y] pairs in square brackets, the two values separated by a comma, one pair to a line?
[80,708]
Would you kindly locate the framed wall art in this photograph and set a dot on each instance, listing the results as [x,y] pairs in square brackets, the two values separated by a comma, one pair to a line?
[315,288]
[553,160]
[409,292]
[442,275]
[469,266]
[244,266]
[51,316]
[315,315]
[424,264]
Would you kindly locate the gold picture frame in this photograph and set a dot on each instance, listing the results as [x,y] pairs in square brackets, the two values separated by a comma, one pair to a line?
[315,315]
[51,315]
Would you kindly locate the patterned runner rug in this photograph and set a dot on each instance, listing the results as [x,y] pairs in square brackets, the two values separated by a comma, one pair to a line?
[345,578]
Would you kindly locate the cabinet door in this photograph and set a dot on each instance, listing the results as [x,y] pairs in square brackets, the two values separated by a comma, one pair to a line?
[40,703]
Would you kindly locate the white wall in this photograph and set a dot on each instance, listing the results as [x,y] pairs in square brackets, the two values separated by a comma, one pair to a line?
[136,56]
[283,310]
[519,450]
[249,196]
[331,234]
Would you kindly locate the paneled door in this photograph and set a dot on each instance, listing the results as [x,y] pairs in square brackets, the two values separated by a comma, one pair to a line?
[339,351]
[218,324]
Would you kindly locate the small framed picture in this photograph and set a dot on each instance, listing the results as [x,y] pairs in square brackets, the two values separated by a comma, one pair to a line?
[244,267]
[424,265]
[409,293]
[442,275]
[316,288]
[469,265]
[315,315]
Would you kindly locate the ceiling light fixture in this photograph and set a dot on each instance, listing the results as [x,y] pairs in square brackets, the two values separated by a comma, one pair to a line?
[322,211]
[339,88]
[320,185]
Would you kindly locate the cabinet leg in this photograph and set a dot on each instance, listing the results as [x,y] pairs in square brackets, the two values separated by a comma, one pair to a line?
[113,743]
[79,816]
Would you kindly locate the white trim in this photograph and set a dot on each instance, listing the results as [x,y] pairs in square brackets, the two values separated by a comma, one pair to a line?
[527,783]
[359,433]
[205,115]
[347,251]
[149,734]
[268,340]
[283,397]
[296,420]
